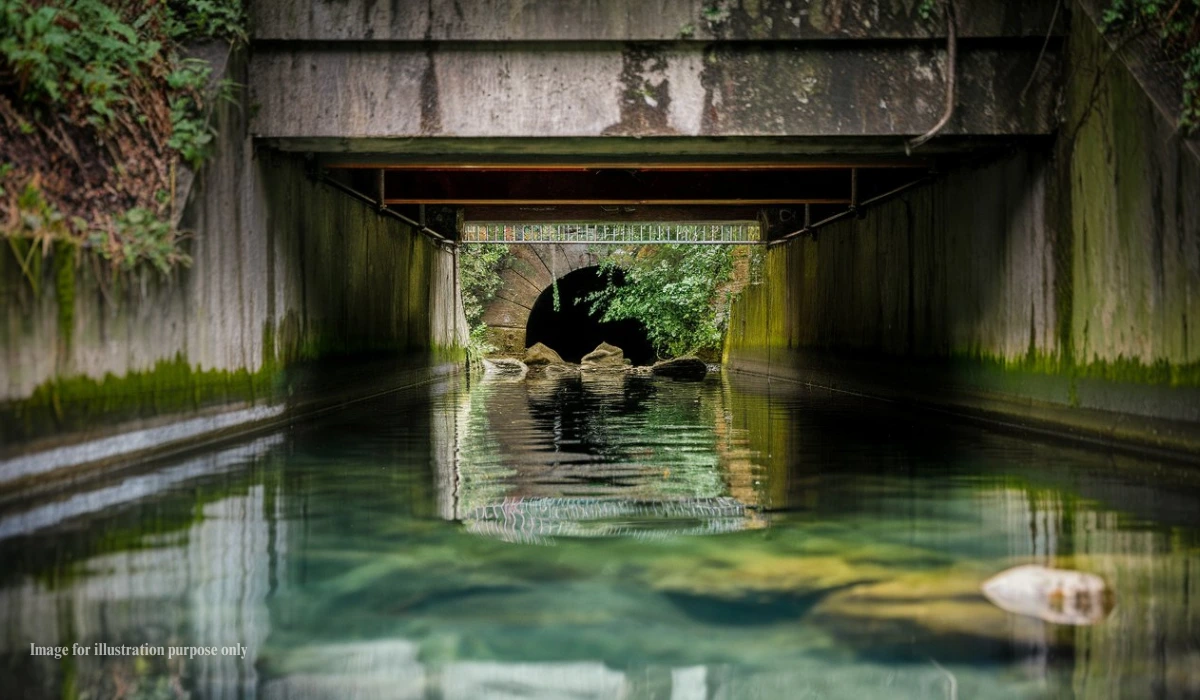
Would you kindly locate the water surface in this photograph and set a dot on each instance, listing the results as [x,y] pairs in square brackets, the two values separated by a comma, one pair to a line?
[607,537]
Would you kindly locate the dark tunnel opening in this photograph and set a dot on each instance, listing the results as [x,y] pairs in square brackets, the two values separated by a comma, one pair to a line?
[572,332]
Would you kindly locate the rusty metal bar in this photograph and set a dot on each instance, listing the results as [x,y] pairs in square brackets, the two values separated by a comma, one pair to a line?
[850,212]
[898,163]
[618,202]
[384,211]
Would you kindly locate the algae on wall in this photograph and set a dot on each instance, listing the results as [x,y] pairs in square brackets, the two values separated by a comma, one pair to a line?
[950,270]
[1082,263]
[285,269]
[1134,191]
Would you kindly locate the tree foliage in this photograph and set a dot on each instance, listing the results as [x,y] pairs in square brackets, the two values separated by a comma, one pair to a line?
[479,268]
[97,105]
[678,292]
[1177,24]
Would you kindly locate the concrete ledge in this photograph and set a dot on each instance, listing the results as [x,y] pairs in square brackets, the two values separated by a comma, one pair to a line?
[512,90]
[588,20]
[949,389]
[81,457]
[133,488]
[132,442]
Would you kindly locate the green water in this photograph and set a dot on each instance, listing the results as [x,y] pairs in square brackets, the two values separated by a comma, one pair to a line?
[605,538]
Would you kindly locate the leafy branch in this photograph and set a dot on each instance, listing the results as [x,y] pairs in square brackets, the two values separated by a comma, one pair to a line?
[97,105]
[1176,23]
[678,292]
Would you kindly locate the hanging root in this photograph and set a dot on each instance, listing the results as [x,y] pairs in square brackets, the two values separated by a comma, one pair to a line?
[951,79]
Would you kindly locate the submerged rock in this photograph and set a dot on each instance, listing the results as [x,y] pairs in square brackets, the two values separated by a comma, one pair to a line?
[505,366]
[605,356]
[538,354]
[554,370]
[686,367]
[1060,596]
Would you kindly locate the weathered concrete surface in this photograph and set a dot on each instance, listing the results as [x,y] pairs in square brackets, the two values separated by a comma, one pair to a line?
[845,150]
[1133,185]
[285,269]
[663,20]
[1067,279]
[955,269]
[823,89]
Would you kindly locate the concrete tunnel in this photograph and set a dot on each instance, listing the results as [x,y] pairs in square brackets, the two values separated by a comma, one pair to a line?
[960,354]
[979,267]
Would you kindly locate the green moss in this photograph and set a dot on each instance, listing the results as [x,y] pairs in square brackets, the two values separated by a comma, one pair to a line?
[172,385]
[1121,370]
[29,260]
[64,288]
[448,354]
[268,344]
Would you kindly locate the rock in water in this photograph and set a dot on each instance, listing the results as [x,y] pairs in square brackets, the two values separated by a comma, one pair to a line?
[1060,596]
[686,367]
[505,366]
[604,356]
[539,354]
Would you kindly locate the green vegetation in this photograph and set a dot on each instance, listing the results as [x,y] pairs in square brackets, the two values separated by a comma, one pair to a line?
[680,293]
[98,106]
[71,403]
[1177,25]
[479,268]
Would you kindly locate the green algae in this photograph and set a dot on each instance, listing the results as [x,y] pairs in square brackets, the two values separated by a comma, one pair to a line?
[64,289]
[1122,370]
[172,385]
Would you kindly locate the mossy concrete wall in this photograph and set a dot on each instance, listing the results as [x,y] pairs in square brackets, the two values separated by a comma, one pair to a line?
[285,269]
[1065,279]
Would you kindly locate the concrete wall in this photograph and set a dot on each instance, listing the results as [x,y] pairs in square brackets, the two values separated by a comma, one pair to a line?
[662,20]
[285,269]
[330,73]
[513,90]
[1068,278]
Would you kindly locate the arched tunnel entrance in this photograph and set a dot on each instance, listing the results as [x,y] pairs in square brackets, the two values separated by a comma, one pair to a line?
[573,332]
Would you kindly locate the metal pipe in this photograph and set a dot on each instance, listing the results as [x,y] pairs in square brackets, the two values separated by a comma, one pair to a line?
[841,215]
[384,210]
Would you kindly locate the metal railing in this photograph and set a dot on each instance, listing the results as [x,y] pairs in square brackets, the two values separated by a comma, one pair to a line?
[615,233]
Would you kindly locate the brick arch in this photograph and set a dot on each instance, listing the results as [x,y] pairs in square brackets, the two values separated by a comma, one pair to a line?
[530,272]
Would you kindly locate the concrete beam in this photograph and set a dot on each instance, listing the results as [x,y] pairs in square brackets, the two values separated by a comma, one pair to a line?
[343,152]
[813,90]
[610,20]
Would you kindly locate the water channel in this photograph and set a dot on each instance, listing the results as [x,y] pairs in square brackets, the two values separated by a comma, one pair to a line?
[605,537]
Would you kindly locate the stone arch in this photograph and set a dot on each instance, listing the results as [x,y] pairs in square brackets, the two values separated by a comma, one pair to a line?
[532,269]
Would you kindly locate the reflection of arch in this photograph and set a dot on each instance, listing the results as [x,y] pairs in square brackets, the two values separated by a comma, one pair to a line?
[531,271]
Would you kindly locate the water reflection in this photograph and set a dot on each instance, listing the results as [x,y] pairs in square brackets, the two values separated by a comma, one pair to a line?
[398,549]
[597,455]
